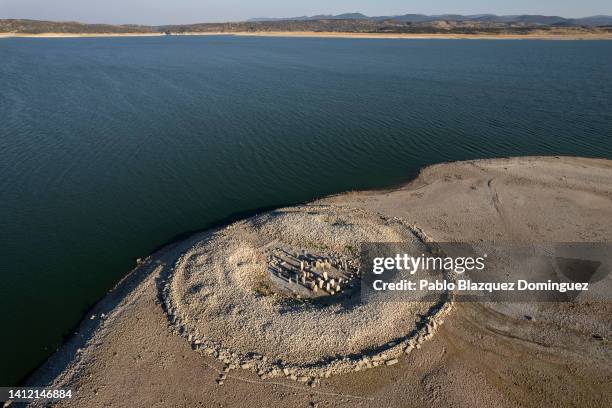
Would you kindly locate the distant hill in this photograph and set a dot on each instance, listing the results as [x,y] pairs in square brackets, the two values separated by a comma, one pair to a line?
[527,19]
[595,21]
[342,23]
[345,16]
[68,27]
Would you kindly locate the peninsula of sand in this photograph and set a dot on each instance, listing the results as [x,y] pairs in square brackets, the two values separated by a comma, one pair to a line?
[266,311]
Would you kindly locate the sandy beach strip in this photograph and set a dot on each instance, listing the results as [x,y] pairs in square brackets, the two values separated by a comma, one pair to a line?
[312,34]
[534,36]
[78,35]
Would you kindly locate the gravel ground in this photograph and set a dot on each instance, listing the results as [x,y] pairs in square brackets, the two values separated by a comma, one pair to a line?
[213,299]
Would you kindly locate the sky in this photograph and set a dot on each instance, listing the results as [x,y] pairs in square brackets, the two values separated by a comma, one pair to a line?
[193,11]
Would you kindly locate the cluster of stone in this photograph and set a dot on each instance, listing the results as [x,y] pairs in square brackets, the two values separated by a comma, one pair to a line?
[313,374]
[317,273]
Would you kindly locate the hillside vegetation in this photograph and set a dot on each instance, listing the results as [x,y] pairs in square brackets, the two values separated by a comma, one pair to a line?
[352,23]
[40,27]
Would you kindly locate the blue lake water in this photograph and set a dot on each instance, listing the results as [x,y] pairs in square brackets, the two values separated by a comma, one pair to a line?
[110,147]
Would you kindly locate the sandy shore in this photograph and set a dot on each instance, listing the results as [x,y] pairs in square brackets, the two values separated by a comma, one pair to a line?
[532,36]
[128,351]
[83,35]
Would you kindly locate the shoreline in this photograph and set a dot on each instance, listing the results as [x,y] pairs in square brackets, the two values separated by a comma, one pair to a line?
[89,358]
[78,35]
[312,34]
[85,328]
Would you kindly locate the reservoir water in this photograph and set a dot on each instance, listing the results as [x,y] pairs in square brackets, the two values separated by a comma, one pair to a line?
[110,147]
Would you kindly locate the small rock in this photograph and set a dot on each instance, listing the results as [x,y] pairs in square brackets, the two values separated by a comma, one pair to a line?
[392,361]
